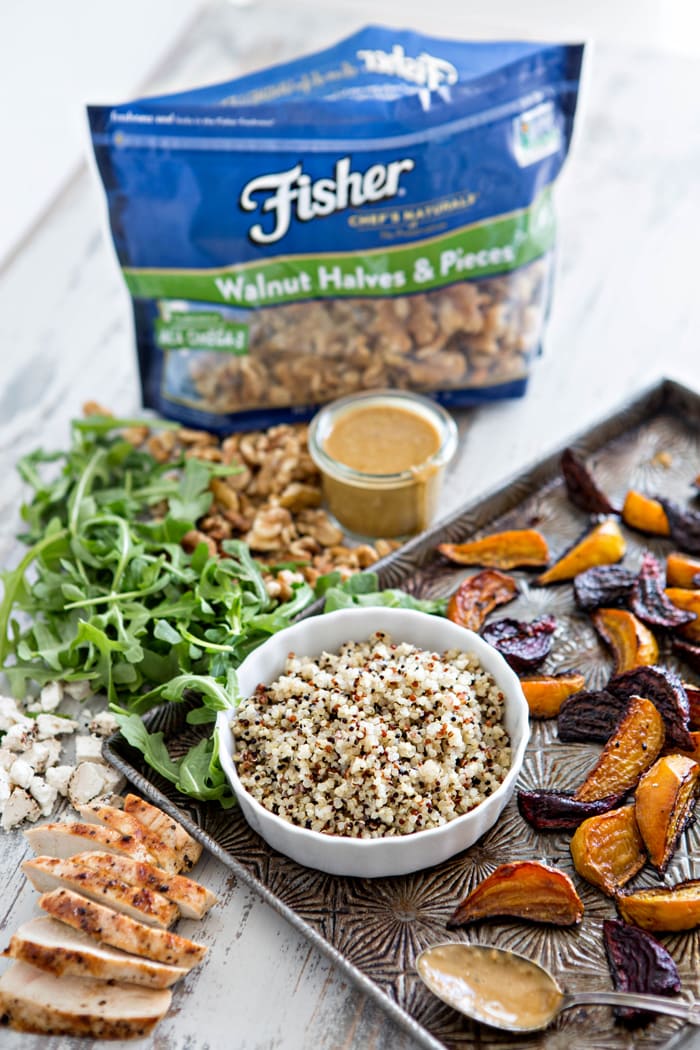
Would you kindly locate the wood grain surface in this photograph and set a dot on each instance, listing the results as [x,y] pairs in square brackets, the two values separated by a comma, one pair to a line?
[624,313]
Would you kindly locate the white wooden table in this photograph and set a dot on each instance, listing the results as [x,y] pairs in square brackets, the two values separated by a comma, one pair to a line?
[625,312]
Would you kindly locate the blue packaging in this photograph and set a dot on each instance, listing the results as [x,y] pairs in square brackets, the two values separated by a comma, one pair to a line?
[378,214]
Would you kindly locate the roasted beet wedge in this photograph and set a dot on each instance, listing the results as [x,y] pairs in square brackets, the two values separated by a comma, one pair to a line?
[553,811]
[664,802]
[638,963]
[684,526]
[603,545]
[513,549]
[667,909]
[687,652]
[603,586]
[644,514]
[630,641]
[648,600]
[629,752]
[666,692]
[581,488]
[522,890]
[693,694]
[608,850]
[479,595]
[545,693]
[523,645]
[590,717]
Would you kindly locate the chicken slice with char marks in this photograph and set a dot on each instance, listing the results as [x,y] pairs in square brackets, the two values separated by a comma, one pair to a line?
[110,927]
[142,904]
[34,1001]
[168,829]
[56,948]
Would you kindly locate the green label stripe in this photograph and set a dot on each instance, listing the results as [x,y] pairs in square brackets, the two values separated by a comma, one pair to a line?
[200,330]
[494,246]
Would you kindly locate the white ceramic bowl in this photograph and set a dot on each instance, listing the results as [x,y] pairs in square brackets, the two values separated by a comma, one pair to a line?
[397,854]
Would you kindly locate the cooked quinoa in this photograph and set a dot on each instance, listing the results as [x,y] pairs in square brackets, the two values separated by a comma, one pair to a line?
[377,739]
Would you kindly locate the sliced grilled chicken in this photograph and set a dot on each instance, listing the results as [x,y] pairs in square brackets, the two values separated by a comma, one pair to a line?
[69,838]
[50,873]
[34,1001]
[119,931]
[54,947]
[172,833]
[118,820]
[193,901]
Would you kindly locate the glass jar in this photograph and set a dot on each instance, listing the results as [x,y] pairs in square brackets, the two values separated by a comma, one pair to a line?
[371,483]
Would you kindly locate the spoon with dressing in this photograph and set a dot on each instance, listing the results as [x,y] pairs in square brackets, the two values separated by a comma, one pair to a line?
[508,991]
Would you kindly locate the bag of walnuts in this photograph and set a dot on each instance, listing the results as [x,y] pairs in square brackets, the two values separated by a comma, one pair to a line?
[378,214]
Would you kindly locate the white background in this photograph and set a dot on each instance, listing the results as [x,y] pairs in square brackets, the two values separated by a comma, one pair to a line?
[56,55]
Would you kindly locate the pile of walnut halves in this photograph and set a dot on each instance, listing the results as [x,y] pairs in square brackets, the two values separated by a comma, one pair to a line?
[102,958]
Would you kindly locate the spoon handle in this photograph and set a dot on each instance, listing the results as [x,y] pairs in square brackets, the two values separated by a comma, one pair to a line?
[688,1010]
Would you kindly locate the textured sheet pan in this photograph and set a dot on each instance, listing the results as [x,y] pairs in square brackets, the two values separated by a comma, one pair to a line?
[373,929]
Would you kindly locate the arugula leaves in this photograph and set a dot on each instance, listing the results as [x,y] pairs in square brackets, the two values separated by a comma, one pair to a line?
[105,592]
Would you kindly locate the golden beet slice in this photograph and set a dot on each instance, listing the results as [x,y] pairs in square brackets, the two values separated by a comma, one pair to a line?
[688,600]
[632,643]
[515,548]
[682,570]
[630,751]
[692,752]
[522,890]
[608,849]
[479,595]
[603,545]
[663,909]
[546,693]
[664,802]
[645,514]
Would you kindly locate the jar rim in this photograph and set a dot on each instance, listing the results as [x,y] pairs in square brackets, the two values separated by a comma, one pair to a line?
[322,424]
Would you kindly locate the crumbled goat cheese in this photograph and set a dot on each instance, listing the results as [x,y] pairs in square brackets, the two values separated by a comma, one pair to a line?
[88,749]
[20,737]
[104,724]
[4,785]
[7,757]
[78,690]
[54,725]
[20,806]
[44,794]
[10,714]
[21,773]
[50,696]
[42,754]
[86,783]
[58,777]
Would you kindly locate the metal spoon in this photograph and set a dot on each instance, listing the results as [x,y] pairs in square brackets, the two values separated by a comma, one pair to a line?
[508,991]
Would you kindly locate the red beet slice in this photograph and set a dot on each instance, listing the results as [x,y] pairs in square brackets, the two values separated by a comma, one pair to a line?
[590,716]
[555,811]
[523,645]
[687,651]
[603,586]
[684,526]
[666,692]
[638,963]
[648,600]
[581,488]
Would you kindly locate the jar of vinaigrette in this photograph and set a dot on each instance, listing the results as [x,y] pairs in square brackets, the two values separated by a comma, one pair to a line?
[382,455]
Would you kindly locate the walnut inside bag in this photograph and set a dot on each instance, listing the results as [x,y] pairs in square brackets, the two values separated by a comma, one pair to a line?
[471,334]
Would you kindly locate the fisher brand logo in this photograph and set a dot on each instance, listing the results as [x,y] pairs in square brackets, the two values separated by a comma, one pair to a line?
[293,191]
[427,71]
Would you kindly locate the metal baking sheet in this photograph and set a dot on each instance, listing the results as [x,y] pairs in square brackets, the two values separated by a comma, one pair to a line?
[373,929]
